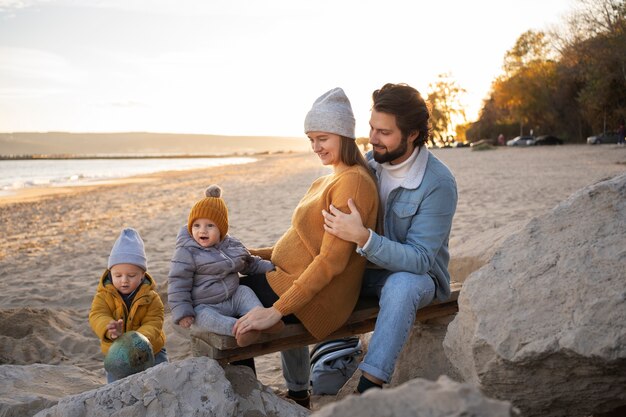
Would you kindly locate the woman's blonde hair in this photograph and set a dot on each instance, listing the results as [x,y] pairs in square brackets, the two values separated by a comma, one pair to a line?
[351,154]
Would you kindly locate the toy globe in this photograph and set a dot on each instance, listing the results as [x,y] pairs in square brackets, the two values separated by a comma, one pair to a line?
[130,353]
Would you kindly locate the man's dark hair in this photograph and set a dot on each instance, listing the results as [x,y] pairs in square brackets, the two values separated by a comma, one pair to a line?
[406,103]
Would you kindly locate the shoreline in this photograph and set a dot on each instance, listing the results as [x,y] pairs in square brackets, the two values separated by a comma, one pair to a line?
[46,157]
[35,193]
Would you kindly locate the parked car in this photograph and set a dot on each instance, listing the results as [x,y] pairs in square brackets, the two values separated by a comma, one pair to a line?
[606,137]
[548,140]
[521,141]
[491,142]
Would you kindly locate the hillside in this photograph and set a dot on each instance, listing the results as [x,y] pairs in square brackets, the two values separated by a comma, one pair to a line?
[141,143]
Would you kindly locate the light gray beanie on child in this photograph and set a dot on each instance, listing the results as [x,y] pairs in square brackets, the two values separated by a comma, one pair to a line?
[331,113]
[128,249]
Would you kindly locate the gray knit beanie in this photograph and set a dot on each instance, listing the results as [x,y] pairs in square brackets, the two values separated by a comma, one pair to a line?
[331,113]
[128,249]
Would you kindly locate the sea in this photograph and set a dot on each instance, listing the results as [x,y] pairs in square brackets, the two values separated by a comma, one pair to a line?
[17,175]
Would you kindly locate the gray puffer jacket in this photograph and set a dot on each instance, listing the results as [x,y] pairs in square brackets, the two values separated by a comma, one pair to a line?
[207,275]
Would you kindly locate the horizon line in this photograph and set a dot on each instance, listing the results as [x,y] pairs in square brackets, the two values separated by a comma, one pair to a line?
[146,132]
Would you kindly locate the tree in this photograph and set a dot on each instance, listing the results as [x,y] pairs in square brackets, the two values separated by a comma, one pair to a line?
[530,47]
[593,64]
[447,110]
[527,89]
[569,82]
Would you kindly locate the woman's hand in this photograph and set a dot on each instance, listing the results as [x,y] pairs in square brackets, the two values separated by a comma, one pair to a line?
[258,318]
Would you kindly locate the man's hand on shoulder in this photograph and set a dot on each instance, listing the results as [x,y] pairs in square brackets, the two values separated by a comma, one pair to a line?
[346,226]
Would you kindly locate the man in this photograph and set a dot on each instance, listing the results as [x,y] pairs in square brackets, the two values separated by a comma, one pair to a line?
[418,199]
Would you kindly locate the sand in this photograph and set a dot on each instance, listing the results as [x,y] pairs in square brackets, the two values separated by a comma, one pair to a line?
[55,244]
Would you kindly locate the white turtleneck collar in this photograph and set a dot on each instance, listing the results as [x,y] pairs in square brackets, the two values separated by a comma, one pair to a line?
[400,170]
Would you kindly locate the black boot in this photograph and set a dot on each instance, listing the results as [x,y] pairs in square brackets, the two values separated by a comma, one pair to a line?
[300,397]
[365,384]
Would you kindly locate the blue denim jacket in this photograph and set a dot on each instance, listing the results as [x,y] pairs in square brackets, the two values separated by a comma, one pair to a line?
[417,223]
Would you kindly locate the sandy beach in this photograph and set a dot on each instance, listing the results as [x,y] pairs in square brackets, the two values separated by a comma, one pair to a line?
[55,243]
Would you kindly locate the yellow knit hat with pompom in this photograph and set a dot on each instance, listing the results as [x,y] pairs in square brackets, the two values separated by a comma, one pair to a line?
[211,207]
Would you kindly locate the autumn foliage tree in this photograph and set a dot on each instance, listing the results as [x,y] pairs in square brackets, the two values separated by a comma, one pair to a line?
[445,99]
[570,82]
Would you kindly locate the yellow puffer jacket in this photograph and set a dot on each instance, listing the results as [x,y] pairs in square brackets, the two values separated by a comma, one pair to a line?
[146,313]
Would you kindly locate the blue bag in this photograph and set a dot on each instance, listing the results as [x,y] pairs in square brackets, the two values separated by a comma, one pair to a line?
[332,363]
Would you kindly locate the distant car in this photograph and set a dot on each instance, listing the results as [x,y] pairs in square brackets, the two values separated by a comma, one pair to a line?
[521,141]
[491,142]
[548,140]
[606,137]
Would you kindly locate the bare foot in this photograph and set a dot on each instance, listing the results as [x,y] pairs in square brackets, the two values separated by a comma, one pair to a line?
[248,338]
[277,328]
[252,336]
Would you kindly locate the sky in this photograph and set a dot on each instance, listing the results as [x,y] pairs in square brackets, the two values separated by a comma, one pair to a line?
[241,67]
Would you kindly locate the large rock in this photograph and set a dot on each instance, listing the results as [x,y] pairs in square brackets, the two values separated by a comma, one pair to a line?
[27,389]
[196,386]
[543,324]
[255,399]
[475,250]
[419,397]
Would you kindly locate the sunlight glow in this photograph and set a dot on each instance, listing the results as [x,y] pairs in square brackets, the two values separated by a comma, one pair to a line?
[239,67]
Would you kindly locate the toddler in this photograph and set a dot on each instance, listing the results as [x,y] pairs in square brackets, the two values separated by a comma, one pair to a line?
[126,298]
[203,286]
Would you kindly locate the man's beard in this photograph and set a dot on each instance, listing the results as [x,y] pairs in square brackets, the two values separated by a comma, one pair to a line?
[392,155]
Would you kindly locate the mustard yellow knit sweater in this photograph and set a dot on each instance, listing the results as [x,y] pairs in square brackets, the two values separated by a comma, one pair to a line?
[318,276]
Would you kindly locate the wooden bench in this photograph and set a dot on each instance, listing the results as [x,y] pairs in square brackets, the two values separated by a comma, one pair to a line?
[362,320]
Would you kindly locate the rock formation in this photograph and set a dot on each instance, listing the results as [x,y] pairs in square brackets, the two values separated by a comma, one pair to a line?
[196,386]
[543,324]
[419,397]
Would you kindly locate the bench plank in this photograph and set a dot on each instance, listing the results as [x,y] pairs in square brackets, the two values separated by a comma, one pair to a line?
[362,320]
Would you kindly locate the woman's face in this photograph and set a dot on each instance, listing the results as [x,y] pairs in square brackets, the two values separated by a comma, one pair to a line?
[327,146]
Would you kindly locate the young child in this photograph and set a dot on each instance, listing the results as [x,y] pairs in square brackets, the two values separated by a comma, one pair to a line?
[126,298]
[203,283]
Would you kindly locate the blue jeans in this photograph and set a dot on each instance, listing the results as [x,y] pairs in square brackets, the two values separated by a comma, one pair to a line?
[400,294]
[296,368]
[158,358]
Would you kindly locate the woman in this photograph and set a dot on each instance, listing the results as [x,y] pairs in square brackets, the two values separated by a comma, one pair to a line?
[317,278]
